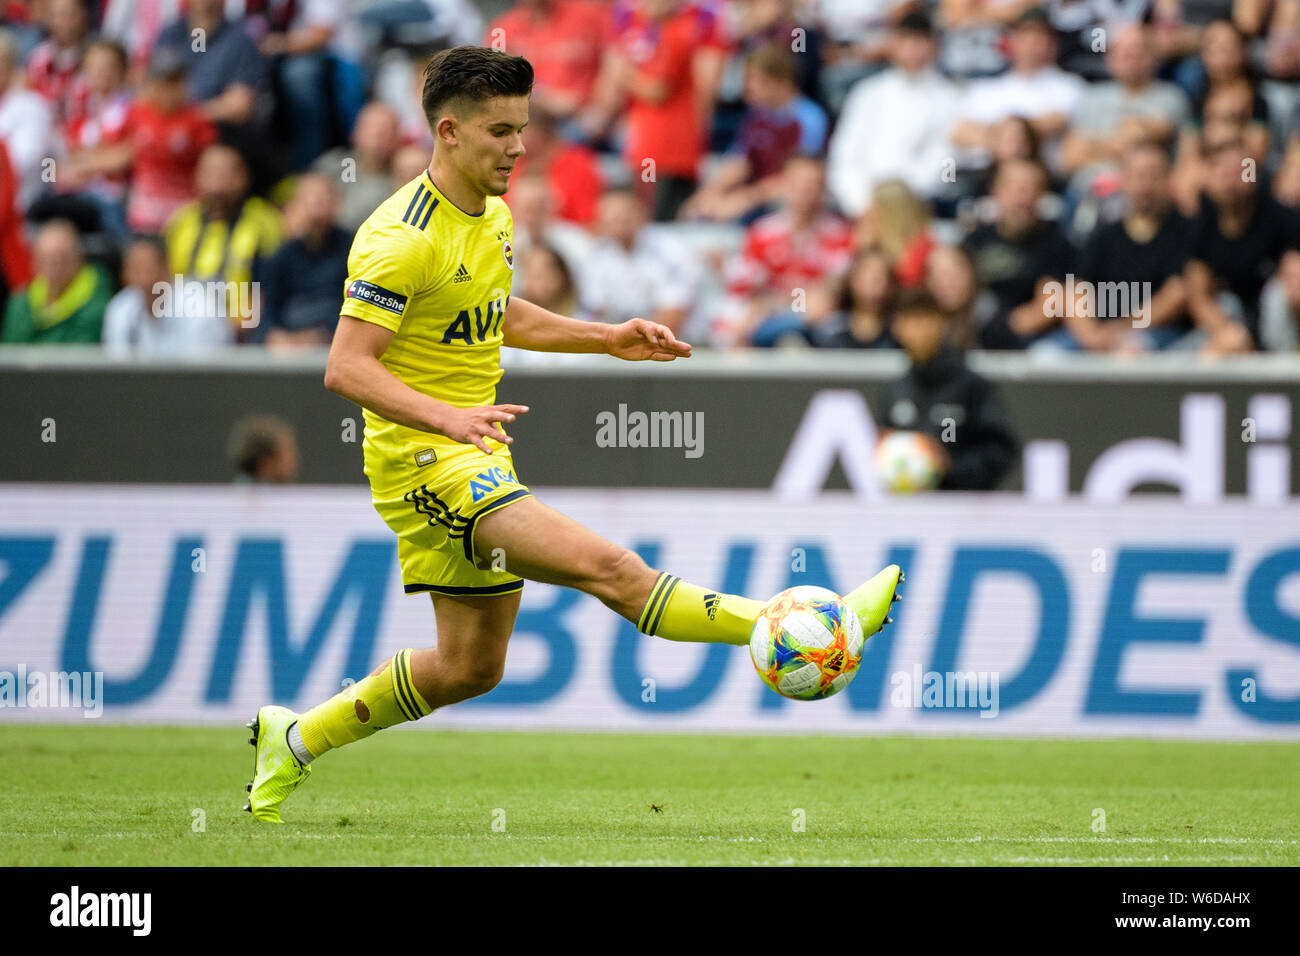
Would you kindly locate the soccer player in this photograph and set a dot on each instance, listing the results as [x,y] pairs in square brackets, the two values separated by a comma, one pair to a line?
[427,308]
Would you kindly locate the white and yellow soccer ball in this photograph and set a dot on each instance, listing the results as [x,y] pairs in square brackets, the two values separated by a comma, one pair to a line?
[806,643]
[906,462]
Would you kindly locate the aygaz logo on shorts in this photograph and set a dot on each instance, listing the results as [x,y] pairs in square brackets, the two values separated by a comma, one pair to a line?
[488,481]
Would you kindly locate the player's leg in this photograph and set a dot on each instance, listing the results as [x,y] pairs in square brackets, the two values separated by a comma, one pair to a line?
[471,653]
[468,661]
[541,544]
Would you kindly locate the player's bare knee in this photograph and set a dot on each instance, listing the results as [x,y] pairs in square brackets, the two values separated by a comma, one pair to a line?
[475,678]
[619,576]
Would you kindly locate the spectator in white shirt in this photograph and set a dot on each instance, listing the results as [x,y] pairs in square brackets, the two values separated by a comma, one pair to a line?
[637,269]
[26,125]
[1035,87]
[150,316]
[896,124]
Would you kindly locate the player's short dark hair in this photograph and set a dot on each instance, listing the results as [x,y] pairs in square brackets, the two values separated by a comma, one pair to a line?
[917,301]
[472,74]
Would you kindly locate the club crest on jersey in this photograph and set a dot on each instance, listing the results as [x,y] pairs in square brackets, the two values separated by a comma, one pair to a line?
[488,481]
[508,253]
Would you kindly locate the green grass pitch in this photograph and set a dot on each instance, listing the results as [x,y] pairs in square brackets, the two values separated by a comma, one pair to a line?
[115,795]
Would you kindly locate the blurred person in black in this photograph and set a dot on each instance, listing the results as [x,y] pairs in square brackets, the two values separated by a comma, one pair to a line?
[1237,239]
[950,276]
[302,281]
[861,316]
[942,398]
[1014,257]
[1147,251]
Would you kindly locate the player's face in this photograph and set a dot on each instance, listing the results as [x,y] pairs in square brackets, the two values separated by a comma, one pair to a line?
[490,143]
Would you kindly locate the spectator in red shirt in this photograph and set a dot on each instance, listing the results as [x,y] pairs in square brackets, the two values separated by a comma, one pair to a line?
[165,133]
[104,123]
[659,51]
[54,66]
[563,39]
[15,259]
[571,171]
[791,260]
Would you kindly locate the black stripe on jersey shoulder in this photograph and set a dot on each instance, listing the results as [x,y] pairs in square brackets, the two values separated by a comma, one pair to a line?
[425,221]
[419,191]
[419,210]
[420,207]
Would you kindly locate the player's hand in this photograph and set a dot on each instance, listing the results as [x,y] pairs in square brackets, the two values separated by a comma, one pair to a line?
[471,425]
[637,340]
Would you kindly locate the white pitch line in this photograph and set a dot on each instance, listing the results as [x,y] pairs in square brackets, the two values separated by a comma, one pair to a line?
[901,861]
[701,838]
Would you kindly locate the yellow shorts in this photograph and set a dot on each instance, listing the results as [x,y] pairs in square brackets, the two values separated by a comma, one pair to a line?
[435,520]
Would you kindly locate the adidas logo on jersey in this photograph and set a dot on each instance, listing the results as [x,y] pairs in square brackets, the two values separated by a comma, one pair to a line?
[711,602]
[462,274]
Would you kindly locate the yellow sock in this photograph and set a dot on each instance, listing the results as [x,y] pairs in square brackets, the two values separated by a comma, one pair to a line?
[681,611]
[356,712]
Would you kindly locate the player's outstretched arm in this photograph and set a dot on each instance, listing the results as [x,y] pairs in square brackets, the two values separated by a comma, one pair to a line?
[355,372]
[529,326]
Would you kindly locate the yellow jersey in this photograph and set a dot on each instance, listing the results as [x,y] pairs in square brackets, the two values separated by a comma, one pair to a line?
[439,279]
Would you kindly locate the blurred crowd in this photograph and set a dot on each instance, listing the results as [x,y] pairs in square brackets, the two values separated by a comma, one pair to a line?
[1075,175]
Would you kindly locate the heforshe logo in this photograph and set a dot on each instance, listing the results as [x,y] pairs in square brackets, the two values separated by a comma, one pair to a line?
[838,426]
[368,292]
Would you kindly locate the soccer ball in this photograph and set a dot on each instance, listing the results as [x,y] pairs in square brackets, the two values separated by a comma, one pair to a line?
[906,462]
[806,643]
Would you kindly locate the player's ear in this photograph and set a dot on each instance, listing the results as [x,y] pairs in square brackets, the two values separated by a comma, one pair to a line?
[446,130]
